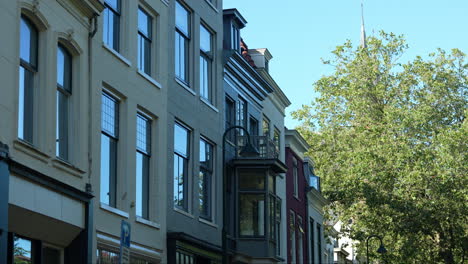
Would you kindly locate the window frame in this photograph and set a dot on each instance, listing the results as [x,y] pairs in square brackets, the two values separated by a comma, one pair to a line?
[63,105]
[116,12]
[208,179]
[295,172]
[145,64]
[113,145]
[292,236]
[185,157]
[28,71]
[266,121]
[207,56]
[146,155]
[253,126]
[186,37]
[254,192]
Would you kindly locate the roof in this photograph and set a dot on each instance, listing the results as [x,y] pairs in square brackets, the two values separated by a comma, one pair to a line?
[245,53]
[240,20]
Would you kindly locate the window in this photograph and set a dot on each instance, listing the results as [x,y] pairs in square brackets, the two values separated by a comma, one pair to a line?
[184,258]
[23,250]
[235,38]
[143,157]
[266,127]
[241,114]
[111,27]
[295,178]
[144,41]
[205,179]
[182,37]
[181,159]
[252,202]
[230,117]
[276,139]
[300,233]
[253,126]
[319,243]
[109,139]
[64,91]
[206,59]
[278,226]
[312,241]
[292,236]
[106,256]
[27,72]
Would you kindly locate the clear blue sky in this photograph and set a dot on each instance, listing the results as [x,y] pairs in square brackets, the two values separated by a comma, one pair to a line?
[298,33]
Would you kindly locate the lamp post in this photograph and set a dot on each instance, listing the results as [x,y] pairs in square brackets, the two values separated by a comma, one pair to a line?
[247,151]
[381,249]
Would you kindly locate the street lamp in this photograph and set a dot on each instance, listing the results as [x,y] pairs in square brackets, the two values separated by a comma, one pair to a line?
[247,151]
[381,249]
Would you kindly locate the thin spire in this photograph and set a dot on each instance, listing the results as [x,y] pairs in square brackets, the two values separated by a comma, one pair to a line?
[363,30]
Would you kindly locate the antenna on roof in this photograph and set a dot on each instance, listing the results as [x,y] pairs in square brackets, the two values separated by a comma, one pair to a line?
[363,30]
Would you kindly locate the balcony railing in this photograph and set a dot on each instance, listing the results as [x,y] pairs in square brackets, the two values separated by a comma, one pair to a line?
[266,146]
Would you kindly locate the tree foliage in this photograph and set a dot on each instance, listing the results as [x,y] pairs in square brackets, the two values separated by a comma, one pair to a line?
[389,140]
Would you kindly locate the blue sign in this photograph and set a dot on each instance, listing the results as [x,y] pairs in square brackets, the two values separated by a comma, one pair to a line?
[125,231]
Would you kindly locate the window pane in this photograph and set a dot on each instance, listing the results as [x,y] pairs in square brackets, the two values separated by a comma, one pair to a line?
[252,216]
[181,57]
[204,78]
[205,178]
[142,184]
[64,68]
[25,103]
[105,169]
[22,250]
[109,115]
[182,19]
[28,42]
[181,140]
[205,39]
[252,179]
[111,28]
[179,181]
[144,23]
[143,139]
[266,127]
[51,256]
[115,4]
[62,125]
[107,257]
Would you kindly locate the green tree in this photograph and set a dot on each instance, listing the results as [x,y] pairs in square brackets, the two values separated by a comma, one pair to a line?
[389,140]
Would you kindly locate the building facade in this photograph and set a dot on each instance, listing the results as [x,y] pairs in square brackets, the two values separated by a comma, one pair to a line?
[195,103]
[305,203]
[140,112]
[255,190]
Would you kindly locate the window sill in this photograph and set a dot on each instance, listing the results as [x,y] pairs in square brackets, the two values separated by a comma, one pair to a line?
[149,79]
[117,55]
[185,86]
[149,223]
[212,6]
[30,150]
[209,104]
[206,222]
[67,167]
[180,211]
[113,210]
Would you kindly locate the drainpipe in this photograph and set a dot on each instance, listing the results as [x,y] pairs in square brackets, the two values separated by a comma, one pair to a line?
[4,188]
[89,208]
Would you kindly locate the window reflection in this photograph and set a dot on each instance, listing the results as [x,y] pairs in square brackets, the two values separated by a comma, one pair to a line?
[22,251]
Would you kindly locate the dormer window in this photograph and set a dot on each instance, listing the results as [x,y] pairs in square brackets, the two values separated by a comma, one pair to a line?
[235,38]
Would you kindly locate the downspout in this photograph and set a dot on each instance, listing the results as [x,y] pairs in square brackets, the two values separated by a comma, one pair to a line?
[89,208]
[92,32]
